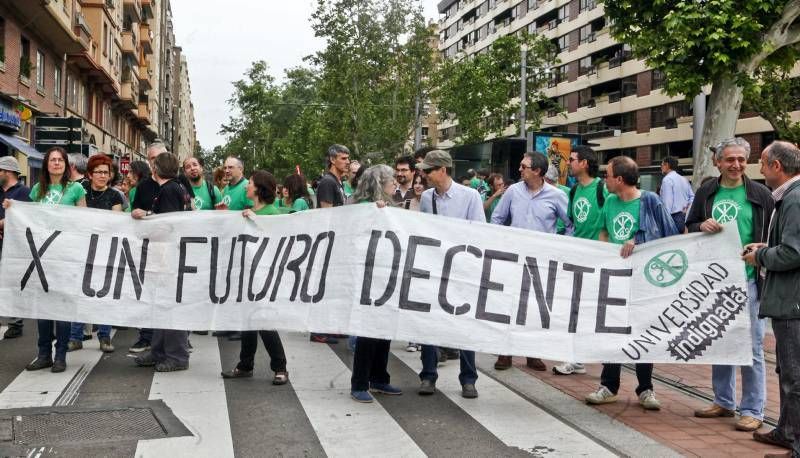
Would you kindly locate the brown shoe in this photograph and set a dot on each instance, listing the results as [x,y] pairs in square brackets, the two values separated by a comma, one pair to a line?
[502,363]
[714,411]
[747,423]
[772,438]
[536,364]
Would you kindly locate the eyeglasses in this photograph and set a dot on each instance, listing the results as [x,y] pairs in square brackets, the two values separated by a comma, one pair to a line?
[101,172]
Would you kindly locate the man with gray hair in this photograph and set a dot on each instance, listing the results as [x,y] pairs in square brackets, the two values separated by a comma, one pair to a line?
[733,197]
[330,191]
[779,264]
[77,168]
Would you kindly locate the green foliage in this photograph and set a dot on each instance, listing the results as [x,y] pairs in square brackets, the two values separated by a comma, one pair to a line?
[774,96]
[25,67]
[698,42]
[477,90]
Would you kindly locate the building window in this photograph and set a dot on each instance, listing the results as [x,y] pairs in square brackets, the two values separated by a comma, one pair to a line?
[563,43]
[585,65]
[585,97]
[628,121]
[563,14]
[57,81]
[586,34]
[587,5]
[105,39]
[2,42]
[25,58]
[533,4]
[39,70]
[658,79]
[629,86]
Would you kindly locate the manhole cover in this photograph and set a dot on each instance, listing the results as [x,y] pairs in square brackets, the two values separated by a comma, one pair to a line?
[100,425]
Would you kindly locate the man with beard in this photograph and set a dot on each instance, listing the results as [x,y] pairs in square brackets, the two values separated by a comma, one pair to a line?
[206,195]
[404,176]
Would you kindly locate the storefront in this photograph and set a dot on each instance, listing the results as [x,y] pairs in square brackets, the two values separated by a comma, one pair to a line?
[13,116]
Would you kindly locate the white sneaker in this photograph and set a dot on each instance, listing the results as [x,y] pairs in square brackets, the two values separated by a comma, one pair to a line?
[602,396]
[569,369]
[648,400]
[411,347]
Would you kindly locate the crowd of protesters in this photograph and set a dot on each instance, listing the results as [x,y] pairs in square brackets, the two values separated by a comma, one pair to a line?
[613,210]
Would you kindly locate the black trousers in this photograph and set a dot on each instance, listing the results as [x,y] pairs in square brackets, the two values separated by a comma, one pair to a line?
[787,354]
[609,378]
[273,344]
[369,363]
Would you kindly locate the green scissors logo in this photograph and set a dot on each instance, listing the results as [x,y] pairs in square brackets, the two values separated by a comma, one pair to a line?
[666,268]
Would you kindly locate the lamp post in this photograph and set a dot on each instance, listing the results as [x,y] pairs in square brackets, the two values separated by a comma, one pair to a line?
[523,92]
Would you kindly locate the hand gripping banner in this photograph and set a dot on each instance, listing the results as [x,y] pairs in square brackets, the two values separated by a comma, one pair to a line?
[385,273]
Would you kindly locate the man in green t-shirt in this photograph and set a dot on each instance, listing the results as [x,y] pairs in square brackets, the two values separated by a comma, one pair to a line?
[234,196]
[586,210]
[630,216]
[734,198]
[206,195]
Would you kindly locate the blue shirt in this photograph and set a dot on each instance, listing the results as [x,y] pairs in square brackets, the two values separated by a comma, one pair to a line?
[457,202]
[676,192]
[534,211]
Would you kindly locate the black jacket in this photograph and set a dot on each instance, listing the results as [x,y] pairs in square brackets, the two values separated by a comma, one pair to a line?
[757,194]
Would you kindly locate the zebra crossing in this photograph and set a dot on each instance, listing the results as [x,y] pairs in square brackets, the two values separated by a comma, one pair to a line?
[313,415]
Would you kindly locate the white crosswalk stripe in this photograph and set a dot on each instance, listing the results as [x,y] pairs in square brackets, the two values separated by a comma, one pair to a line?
[512,419]
[322,384]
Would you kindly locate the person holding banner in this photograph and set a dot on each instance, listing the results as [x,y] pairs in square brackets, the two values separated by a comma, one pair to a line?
[169,349]
[630,217]
[735,198]
[297,199]
[261,191]
[206,195]
[456,201]
[536,205]
[54,188]
[779,260]
[102,197]
[13,189]
[371,357]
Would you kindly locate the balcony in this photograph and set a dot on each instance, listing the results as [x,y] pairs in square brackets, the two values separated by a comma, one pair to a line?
[143,113]
[144,37]
[94,71]
[133,8]
[48,16]
[144,75]
[129,43]
[82,32]
[129,94]
[147,8]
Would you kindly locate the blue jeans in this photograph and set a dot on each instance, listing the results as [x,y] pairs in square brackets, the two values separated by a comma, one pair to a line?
[754,391]
[430,359]
[49,330]
[76,332]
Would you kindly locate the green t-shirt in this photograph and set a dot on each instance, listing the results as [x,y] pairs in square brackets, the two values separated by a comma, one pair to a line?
[561,226]
[621,219]
[271,209]
[298,205]
[57,195]
[587,215]
[236,197]
[491,208]
[202,200]
[131,196]
[731,204]
[348,190]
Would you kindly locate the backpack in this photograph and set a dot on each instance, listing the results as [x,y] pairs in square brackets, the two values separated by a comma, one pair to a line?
[601,198]
[210,188]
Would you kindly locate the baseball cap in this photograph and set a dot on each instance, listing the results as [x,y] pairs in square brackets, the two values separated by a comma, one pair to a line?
[9,163]
[435,158]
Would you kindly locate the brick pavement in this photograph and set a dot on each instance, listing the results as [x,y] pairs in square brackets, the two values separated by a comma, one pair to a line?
[675,425]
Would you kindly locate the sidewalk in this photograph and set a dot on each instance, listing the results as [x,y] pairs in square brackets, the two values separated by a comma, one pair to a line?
[675,425]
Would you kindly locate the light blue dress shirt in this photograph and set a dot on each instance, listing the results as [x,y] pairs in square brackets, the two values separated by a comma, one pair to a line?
[457,202]
[533,211]
[676,193]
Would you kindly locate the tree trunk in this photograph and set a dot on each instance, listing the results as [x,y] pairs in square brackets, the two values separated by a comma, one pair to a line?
[722,113]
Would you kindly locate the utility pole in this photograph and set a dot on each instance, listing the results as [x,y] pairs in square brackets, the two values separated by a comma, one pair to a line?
[417,125]
[523,90]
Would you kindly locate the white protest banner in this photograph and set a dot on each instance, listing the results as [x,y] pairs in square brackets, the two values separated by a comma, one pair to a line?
[385,273]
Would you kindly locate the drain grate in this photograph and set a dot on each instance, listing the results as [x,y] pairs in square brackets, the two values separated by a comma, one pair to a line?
[88,426]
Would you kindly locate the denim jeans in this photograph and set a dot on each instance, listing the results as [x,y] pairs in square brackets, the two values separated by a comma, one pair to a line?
[787,353]
[754,390]
[170,344]
[430,359]
[48,330]
[103,330]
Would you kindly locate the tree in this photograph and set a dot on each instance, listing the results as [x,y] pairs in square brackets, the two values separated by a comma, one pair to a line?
[483,91]
[774,96]
[719,42]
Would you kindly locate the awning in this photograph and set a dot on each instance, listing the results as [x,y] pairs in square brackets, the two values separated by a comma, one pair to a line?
[34,157]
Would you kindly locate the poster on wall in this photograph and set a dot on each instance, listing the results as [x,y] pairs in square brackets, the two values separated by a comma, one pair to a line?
[557,149]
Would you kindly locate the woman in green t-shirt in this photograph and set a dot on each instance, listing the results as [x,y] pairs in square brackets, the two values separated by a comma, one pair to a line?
[261,190]
[371,357]
[296,197]
[54,188]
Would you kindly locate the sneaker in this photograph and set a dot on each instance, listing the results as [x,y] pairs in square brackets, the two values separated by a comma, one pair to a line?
[236,373]
[105,345]
[468,391]
[361,396]
[145,359]
[59,365]
[502,363]
[281,378]
[171,366]
[411,348]
[602,396]
[323,338]
[427,387]
[140,346]
[13,332]
[385,388]
[74,345]
[569,369]
[39,363]
[647,399]
[87,337]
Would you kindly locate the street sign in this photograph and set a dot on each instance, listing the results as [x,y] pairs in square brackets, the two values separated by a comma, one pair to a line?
[124,166]
[71,122]
[42,136]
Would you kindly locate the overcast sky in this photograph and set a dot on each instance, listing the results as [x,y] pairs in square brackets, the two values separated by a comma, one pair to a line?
[221,40]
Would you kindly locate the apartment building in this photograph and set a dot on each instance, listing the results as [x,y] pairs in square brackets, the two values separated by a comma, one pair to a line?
[611,98]
[183,135]
[91,59]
